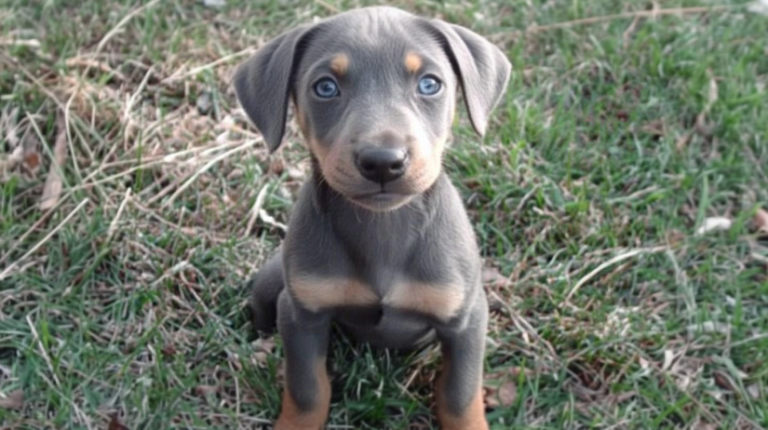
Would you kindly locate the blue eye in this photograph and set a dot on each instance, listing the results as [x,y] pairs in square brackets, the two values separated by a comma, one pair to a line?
[326,88]
[429,85]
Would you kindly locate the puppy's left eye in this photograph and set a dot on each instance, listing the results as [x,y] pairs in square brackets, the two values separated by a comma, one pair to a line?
[429,85]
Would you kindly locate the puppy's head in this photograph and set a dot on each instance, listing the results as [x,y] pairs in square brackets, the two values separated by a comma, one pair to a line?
[374,91]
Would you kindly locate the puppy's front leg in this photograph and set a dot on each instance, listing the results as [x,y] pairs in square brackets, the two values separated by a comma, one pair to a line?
[307,390]
[458,390]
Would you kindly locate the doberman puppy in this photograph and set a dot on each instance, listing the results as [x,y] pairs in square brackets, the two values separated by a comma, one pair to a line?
[379,241]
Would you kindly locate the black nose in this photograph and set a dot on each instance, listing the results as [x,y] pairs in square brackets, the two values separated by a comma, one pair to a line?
[382,165]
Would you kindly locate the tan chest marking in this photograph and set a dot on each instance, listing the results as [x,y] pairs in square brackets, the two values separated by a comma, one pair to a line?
[323,293]
[440,301]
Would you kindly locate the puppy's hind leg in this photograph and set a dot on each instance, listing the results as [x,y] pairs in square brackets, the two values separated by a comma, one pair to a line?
[265,288]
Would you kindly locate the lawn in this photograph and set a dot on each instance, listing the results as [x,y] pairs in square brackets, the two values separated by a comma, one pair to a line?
[617,198]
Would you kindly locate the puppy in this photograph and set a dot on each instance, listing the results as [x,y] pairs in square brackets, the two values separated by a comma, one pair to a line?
[379,241]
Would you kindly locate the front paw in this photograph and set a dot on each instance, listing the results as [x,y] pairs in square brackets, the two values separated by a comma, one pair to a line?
[461,425]
[286,422]
[472,418]
[294,418]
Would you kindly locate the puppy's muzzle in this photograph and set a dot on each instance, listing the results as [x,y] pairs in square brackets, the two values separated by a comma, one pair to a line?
[382,165]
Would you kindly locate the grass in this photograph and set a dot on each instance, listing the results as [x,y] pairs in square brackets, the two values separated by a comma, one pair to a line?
[120,304]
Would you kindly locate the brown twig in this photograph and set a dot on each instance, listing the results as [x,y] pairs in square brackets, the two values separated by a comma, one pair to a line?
[53,183]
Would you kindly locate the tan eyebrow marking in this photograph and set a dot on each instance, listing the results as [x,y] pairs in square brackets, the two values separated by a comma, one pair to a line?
[340,64]
[412,62]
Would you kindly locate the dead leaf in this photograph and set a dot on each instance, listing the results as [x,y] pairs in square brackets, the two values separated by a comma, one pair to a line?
[669,358]
[508,393]
[723,381]
[704,426]
[53,183]
[644,364]
[623,397]
[14,400]
[505,395]
[260,358]
[683,140]
[115,424]
[491,276]
[168,350]
[264,347]
[761,220]
[754,391]
[296,173]
[265,344]
[32,160]
[9,125]
[30,145]
[674,237]
[713,224]
[277,165]
[204,390]
[494,303]
[655,128]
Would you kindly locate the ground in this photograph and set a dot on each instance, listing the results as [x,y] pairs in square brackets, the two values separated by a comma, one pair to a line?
[617,198]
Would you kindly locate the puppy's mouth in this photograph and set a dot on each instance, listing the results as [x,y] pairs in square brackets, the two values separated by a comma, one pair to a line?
[382,200]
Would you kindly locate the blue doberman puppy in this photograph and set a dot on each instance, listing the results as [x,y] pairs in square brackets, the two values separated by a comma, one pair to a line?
[379,241]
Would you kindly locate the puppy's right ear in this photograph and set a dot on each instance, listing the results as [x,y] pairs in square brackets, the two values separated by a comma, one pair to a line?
[263,84]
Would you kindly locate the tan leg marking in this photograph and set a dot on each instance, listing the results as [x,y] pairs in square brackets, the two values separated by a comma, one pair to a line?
[473,418]
[441,301]
[316,294]
[292,418]
[412,62]
[340,65]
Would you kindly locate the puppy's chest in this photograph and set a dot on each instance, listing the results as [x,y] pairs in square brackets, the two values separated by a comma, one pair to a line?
[441,300]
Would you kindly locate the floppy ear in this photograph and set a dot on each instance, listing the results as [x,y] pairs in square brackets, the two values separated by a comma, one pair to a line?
[263,84]
[482,68]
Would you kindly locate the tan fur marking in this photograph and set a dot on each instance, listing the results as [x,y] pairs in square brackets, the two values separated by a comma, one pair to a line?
[441,301]
[292,418]
[473,418]
[302,120]
[318,150]
[318,293]
[426,163]
[340,64]
[412,62]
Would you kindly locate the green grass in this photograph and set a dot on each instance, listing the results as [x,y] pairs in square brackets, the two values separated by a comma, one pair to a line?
[617,140]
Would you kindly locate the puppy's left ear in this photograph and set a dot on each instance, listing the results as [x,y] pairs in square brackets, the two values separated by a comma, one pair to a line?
[482,68]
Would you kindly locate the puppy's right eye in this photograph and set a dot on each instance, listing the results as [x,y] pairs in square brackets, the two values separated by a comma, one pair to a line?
[326,88]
